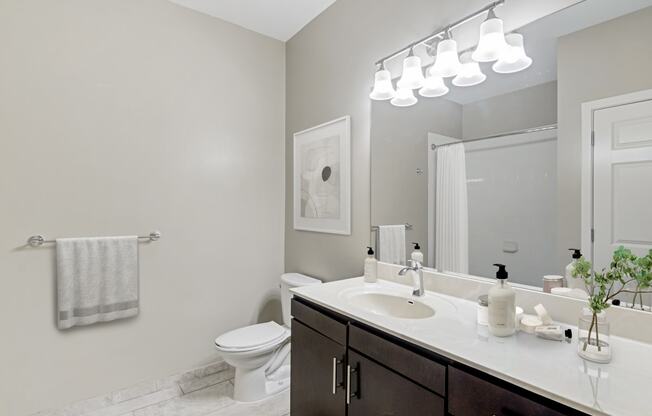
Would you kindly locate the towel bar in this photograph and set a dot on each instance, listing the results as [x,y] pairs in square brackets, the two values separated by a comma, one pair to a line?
[39,240]
[407,227]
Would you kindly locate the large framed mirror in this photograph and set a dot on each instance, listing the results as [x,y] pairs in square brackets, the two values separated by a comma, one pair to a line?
[507,171]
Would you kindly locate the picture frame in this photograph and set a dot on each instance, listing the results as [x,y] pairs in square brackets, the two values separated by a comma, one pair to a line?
[322,178]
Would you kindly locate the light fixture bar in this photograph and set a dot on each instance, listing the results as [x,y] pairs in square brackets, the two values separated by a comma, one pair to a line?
[443,31]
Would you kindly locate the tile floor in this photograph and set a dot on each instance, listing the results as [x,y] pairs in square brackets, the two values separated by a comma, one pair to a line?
[216,401]
[205,391]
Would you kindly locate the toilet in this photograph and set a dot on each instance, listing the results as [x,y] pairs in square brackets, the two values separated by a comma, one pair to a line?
[260,353]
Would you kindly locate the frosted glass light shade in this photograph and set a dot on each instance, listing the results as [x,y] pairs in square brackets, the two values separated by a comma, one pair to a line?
[412,77]
[470,74]
[434,86]
[492,40]
[447,63]
[404,98]
[383,88]
[514,58]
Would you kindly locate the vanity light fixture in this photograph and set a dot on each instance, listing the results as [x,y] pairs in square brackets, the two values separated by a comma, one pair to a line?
[447,63]
[404,98]
[434,86]
[492,39]
[470,74]
[412,77]
[507,50]
[514,58]
[383,87]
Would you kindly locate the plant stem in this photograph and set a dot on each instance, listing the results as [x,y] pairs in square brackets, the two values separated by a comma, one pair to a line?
[597,335]
[588,339]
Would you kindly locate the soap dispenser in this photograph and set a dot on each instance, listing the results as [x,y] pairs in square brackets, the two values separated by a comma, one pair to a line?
[573,282]
[417,255]
[370,267]
[502,305]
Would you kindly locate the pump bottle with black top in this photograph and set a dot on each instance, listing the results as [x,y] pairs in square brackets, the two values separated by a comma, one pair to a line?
[573,282]
[370,267]
[417,254]
[502,305]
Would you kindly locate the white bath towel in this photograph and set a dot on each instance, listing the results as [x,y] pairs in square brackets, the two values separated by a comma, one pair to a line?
[97,279]
[391,239]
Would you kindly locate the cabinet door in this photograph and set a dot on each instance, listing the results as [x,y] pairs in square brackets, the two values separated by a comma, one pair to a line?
[469,395]
[376,391]
[317,374]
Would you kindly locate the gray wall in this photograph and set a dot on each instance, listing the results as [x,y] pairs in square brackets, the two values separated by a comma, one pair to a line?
[530,107]
[400,146]
[119,117]
[329,74]
[609,59]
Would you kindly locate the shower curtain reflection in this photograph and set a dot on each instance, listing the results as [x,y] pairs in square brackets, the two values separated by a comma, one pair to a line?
[451,210]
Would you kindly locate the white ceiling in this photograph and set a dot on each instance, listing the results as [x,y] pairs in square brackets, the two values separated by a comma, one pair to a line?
[279,19]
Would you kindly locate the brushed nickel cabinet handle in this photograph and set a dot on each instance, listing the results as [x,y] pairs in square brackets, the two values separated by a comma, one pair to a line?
[336,384]
[350,370]
[334,375]
[348,384]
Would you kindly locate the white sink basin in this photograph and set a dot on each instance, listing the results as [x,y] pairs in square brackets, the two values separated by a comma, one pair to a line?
[391,305]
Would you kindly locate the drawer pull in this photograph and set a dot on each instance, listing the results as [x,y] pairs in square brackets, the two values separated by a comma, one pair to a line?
[350,370]
[335,383]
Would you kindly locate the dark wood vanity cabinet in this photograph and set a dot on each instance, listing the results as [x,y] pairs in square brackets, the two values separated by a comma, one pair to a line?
[377,390]
[341,367]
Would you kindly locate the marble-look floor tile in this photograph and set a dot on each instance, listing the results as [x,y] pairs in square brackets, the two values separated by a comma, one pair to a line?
[198,403]
[192,384]
[278,405]
[128,406]
[141,389]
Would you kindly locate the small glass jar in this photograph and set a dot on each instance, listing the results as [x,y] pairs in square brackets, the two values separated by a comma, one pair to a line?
[483,310]
[550,281]
[593,338]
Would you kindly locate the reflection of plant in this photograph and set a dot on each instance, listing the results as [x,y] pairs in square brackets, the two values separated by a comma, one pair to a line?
[625,269]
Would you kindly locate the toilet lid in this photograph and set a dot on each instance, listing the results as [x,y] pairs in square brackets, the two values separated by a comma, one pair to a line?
[252,336]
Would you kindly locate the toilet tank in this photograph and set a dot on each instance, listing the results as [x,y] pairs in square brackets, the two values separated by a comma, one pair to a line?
[288,281]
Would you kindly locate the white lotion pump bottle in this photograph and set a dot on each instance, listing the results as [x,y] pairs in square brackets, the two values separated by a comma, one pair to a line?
[417,255]
[502,305]
[370,267]
[574,282]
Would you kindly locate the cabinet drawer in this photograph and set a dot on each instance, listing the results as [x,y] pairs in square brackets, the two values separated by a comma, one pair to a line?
[377,391]
[416,367]
[319,321]
[469,395]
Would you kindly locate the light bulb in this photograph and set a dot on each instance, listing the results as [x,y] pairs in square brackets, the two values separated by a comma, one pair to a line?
[412,77]
[447,63]
[404,98]
[383,88]
[492,39]
[434,86]
[514,58]
[470,74]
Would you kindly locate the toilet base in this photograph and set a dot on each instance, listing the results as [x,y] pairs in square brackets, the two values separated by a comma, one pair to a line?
[255,385]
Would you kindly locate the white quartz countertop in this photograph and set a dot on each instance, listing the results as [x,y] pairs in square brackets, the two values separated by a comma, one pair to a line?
[550,368]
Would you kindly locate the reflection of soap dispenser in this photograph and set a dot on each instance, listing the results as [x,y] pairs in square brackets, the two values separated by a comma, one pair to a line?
[417,255]
[502,305]
[370,267]
[573,282]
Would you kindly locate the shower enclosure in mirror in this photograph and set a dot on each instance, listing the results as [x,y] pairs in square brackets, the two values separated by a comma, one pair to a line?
[493,173]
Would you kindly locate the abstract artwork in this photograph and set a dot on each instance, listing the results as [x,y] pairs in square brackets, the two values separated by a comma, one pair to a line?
[322,178]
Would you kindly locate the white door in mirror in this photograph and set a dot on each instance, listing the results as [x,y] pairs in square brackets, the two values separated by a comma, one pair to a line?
[622,180]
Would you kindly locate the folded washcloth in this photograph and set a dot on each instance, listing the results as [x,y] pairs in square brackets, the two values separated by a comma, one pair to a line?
[97,279]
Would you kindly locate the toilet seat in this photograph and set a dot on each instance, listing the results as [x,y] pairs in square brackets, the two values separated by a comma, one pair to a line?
[252,337]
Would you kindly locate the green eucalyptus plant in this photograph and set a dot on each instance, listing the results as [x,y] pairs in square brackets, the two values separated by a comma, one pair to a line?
[625,270]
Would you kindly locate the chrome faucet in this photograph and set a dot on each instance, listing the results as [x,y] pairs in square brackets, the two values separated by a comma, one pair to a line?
[415,266]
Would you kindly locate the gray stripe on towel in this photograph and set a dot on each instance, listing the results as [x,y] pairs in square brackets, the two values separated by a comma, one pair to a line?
[94,310]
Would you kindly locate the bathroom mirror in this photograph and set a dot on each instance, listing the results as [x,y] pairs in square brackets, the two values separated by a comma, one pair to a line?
[503,171]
